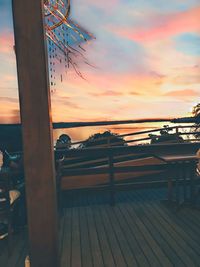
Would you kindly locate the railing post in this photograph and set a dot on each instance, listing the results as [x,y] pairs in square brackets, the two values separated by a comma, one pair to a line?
[192,182]
[177,182]
[170,183]
[111,179]
[184,170]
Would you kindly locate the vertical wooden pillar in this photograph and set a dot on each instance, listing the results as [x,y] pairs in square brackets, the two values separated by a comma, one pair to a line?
[37,132]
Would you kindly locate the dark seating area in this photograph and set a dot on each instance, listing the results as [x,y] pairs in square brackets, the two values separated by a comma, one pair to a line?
[9,204]
[13,237]
[18,248]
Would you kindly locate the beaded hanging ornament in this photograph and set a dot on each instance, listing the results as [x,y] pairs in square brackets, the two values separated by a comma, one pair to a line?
[64,39]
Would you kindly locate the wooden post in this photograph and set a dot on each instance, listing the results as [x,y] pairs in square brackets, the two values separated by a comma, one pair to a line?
[111,179]
[170,172]
[32,70]
[193,165]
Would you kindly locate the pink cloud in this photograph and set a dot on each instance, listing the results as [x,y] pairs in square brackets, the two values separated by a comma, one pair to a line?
[163,26]
[6,42]
[185,93]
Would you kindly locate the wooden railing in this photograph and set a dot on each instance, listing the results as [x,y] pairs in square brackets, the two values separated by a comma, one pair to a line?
[110,165]
[156,149]
[177,131]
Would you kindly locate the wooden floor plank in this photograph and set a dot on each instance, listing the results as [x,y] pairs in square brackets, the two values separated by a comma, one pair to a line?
[163,259]
[190,247]
[186,217]
[112,239]
[140,237]
[191,238]
[76,242]
[135,246]
[184,231]
[124,245]
[105,247]
[160,237]
[86,256]
[94,240]
[175,239]
[159,257]
[66,248]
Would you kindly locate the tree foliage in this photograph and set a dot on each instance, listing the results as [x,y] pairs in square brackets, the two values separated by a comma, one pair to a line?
[63,142]
[196,114]
[165,137]
[103,139]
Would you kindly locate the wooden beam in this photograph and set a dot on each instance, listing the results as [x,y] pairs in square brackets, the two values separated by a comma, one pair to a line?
[35,111]
[156,150]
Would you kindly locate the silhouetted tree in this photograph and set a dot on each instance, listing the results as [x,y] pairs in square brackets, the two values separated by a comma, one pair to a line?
[101,139]
[63,142]
[196,114]
[165,137]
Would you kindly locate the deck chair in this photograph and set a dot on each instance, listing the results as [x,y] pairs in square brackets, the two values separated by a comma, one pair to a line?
[8,201]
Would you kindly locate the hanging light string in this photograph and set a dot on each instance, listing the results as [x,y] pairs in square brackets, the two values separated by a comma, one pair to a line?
[64,38]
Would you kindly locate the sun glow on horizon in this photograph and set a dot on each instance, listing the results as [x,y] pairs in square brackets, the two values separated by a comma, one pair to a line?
[146,60]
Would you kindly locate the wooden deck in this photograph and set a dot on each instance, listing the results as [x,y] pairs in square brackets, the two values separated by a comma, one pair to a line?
[139,231]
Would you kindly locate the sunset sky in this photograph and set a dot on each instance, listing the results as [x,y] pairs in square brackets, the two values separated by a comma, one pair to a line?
[146,56]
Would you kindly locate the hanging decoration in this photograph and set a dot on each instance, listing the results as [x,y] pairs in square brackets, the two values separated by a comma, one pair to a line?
[65,39]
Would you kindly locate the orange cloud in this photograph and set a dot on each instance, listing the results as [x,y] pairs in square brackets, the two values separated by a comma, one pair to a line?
[183,94]
[163,26]
[9,110]
[104,95]
[8,100]
[107,93]
[111,84]
[185,75]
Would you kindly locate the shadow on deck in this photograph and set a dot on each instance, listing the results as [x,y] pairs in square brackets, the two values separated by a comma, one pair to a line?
[139,231]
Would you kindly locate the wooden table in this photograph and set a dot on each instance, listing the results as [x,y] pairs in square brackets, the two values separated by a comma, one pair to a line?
[182,171]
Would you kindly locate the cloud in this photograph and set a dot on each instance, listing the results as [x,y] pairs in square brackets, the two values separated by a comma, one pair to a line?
[186,80]
[101,4]
[185,94]
[134,93]
[9,113]
[65,101]
[162,26]
[9,100]
[188,75]
[107,93]
[6,42]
